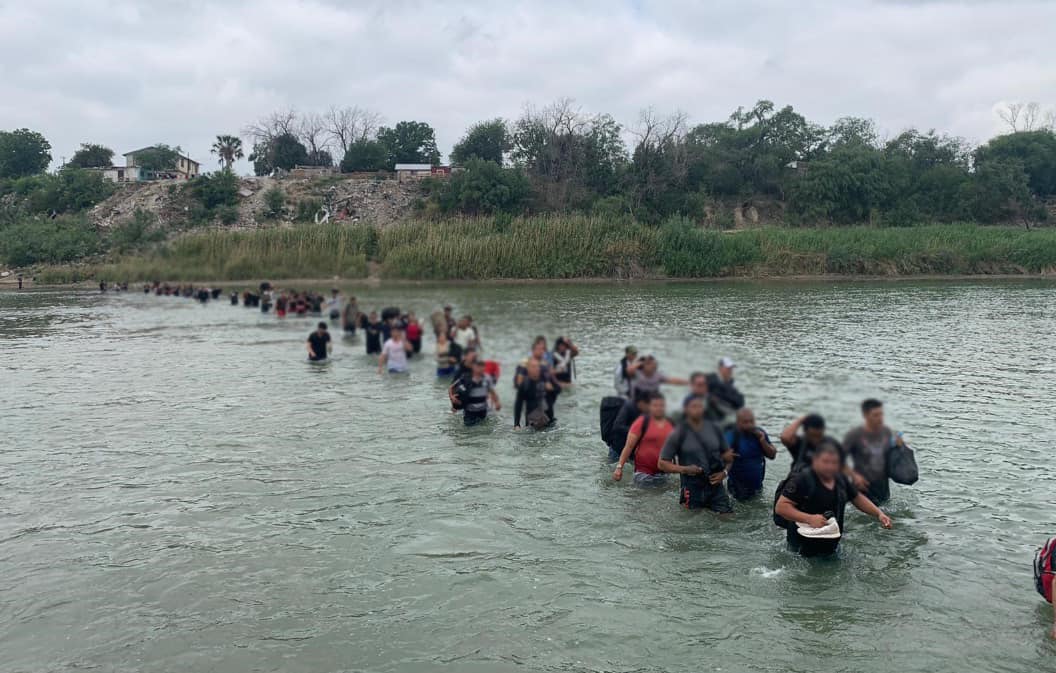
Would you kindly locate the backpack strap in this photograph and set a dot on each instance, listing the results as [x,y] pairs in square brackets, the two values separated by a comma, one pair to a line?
[645,429]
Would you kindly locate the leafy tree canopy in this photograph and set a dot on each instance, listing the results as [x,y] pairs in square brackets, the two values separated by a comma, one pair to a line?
[23,152]
[91,155]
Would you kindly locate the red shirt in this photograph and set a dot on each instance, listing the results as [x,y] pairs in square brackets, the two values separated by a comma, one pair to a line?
[648,451]
[414,331]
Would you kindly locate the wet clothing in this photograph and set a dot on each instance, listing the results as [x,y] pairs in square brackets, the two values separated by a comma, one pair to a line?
[464,337]
[474,397]
[396,355]
[373,338]
[532,397]
[564,366]
[725,392]
[626,416]
[414,335]
[444,366]
[701,446]
[803,452]
[650,444]
[749,464]
[318,343]
[699,493]
[810,496]
[868,452]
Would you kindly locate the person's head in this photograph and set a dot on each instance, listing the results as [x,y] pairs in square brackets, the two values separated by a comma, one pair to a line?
[478,369]
[726,366]
[649,365]
[539,347]
[642,399]
[657,405]
[463,322]
[826,460]
[373,316]
[411,317]
[321,328]
[534,369]
[334,291]
[745,420]
[694,408]
[630,353]
[448,309]
[873,413]
[814,429]
[561,345]
[470,356]
[698,384]
[397,332]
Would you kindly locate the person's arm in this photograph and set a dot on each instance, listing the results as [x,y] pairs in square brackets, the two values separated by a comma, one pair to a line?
[573,348]
[628,447]
[764,443]
[495,399]
[407,345]
[866,506]
[452,394]
[311,353]
[675,381]
[860,482]
[789,434]
[518,407]
[382,359]
[787,509]
[632,368]
[670,451]
[329,345]
[726,453]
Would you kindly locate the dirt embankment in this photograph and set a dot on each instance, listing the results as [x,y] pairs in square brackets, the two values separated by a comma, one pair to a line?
[380,201]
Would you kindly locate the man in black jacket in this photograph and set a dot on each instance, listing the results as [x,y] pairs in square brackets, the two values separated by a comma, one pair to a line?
[625,418]
[722,388]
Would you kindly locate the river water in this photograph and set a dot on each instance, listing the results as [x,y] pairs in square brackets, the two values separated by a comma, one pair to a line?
[182,491]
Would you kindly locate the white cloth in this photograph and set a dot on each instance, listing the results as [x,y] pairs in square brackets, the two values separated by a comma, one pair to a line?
[396,353]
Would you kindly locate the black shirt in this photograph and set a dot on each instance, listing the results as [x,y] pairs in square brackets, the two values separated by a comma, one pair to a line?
[318,343]
[810,496]
[373,337]
[803,452]
[725,392]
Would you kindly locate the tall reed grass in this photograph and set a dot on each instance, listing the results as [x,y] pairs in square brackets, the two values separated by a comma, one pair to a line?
[577,247]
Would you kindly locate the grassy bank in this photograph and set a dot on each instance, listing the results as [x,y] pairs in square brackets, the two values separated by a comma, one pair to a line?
[577,247]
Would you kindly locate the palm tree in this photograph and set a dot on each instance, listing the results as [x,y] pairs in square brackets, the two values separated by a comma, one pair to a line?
[229,149]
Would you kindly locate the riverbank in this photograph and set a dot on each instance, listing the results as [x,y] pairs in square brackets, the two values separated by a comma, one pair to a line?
[567,248]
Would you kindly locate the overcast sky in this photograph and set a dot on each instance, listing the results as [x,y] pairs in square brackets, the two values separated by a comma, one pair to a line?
[128,74]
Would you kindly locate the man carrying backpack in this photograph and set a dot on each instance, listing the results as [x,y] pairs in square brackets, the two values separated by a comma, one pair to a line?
[698,453]
[1045,576]
[645,439]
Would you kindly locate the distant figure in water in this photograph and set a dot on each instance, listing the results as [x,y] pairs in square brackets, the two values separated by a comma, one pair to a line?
[102,286]
[19,281]
[394,352]
[319,343]
[472,394]
[1045,576]
[373,329]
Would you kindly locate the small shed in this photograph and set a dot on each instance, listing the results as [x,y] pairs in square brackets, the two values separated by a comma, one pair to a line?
[406,172]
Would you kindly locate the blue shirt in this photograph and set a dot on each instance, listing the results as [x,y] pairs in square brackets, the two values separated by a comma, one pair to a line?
[749,467]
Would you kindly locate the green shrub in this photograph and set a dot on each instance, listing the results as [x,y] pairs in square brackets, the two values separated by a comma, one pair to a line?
[48,241]
[274,202]
[136,233]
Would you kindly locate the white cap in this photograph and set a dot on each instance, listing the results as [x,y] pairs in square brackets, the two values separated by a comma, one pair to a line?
[725,361]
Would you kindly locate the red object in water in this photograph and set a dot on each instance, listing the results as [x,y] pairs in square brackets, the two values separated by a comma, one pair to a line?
[492,369]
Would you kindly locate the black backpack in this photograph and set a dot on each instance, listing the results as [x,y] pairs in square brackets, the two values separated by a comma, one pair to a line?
[610,409]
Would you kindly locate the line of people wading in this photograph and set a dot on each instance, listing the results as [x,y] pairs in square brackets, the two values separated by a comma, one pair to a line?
[712,443]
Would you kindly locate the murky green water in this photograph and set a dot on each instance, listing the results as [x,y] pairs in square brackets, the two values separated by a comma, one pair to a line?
[181,491]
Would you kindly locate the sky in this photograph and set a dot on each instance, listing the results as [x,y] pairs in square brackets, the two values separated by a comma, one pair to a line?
[128,74]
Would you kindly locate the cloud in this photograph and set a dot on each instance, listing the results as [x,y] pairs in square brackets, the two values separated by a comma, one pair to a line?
[127,74]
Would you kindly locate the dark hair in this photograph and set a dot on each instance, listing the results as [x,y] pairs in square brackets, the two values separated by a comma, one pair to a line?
[652,396]
[538,340]
[826,447]
[870,404]
[692,398]
[813,422]
[321,325]
[695,375]
[642,396]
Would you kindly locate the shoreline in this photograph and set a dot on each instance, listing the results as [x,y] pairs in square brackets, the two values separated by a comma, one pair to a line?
[375,282]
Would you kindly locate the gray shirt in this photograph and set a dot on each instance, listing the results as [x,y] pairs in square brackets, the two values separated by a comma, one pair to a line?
[643,382]
[868,451]
[703,447]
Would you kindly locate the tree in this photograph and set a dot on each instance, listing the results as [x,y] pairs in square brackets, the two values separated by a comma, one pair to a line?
[482,188]
[365,155]
[91,155]
[348,125]
[1000,192]
[1034,150]
[158,158]
[410,142]
[313,135]
[488,140]
[282,152]
[23,152]
[228,149]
